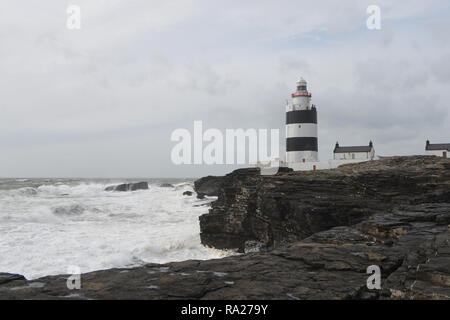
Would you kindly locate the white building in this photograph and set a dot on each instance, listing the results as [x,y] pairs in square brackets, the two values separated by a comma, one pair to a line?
[438,149]
[354,152]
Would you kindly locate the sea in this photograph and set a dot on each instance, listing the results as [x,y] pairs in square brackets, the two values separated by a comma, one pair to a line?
[48,226]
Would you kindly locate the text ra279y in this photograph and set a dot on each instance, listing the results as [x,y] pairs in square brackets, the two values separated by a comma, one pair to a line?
[231,309]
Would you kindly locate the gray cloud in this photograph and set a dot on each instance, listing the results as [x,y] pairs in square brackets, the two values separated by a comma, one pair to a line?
[103,100]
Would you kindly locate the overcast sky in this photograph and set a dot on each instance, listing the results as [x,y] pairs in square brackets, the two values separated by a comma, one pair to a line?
[103,101]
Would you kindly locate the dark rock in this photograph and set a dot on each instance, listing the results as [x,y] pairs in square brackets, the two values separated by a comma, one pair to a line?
[128,187]
[207,186]
[166,185]
[253,246]
[7,277]
[284,170]
[206,204]
[188,193]
[279,209]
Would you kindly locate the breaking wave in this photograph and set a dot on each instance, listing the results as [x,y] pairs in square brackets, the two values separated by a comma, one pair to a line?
[46,226]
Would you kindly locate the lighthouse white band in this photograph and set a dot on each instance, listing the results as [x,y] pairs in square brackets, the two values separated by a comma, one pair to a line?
[301,103]
[301,130]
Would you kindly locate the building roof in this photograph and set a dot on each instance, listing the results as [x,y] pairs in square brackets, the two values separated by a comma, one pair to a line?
[352,149]
[338,149]
[437,146]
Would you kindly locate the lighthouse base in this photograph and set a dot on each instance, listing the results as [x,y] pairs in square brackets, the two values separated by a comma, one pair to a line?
[301,156]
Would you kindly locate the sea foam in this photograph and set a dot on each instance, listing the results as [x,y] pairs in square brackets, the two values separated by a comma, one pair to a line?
[45,228]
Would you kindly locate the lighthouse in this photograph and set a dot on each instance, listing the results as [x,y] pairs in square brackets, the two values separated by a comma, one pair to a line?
[301,127]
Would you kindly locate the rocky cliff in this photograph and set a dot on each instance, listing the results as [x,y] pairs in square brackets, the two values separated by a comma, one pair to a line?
[323,229]
[267,211]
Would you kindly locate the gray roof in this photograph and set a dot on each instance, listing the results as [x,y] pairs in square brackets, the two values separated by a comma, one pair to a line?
[438,146]
[352,149]
[349,149]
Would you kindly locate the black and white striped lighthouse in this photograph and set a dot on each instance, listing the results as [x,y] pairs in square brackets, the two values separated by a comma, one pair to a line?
[301,127]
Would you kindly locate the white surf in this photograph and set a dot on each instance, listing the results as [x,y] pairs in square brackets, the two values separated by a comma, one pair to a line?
[47,228]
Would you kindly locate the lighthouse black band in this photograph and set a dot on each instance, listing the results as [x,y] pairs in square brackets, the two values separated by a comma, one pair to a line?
[301,116]
[301,144]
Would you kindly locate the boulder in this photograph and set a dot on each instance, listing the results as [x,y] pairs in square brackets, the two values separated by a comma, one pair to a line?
[128,187]
[8,277]
[208,186]
[187,193]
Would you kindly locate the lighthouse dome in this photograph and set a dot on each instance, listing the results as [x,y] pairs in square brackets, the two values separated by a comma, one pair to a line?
[301,81]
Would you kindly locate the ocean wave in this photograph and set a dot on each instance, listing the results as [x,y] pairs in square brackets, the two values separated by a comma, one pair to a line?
[47,226]
[40,214]
[183,185]
[61,189]
[27,191]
